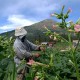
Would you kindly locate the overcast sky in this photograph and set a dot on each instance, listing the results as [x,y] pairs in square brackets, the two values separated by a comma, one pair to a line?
[14,13]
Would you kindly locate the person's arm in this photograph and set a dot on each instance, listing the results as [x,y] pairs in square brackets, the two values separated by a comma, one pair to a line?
[36,47]
[33,46]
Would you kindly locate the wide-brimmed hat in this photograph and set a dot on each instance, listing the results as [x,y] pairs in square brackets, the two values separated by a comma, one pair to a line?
[20,31]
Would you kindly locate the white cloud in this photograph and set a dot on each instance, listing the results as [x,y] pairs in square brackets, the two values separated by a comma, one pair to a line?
[20,20]
[16,21]
[32,7]
[38,7]
[6,27]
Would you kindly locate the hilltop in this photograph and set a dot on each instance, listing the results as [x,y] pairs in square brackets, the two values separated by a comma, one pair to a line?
[35,31]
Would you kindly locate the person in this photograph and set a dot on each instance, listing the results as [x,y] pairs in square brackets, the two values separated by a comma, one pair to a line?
[23,47]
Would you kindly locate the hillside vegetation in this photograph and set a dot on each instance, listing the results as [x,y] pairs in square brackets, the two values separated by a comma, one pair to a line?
[36,31]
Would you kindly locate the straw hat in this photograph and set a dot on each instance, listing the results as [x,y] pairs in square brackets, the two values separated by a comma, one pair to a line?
[20,31]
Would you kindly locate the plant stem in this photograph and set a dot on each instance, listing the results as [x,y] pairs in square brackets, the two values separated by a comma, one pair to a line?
[70,42]
[76,66]
[75,61]
[14,71]
[74,55]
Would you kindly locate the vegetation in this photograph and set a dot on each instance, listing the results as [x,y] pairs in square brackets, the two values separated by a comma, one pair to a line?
[7,65]
[56,64]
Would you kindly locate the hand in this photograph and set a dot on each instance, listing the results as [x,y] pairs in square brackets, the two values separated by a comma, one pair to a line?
[42,48]
[36,55]
[31,62]
[36,78]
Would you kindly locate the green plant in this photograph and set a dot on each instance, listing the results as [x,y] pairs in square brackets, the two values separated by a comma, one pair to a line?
[7,65]
[73,28]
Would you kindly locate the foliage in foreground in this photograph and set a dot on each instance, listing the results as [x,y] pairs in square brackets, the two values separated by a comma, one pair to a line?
[7,65]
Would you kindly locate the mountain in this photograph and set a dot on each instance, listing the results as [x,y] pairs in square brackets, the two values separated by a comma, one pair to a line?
[35,31]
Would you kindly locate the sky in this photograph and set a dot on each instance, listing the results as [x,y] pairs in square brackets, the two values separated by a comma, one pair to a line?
[19,13]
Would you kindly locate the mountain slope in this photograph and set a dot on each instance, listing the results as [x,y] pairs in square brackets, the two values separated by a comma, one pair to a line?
[35,31]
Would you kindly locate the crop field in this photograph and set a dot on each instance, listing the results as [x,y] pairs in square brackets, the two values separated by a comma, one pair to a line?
[60,61]
[56,64]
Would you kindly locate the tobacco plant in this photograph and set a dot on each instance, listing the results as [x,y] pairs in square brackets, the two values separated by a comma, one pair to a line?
[70,28]
[7,65]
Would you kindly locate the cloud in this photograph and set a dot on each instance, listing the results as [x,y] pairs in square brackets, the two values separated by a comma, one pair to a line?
[6,27]
[27,7]
[32,8]
[31,11]
[19,20]
[15,21]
